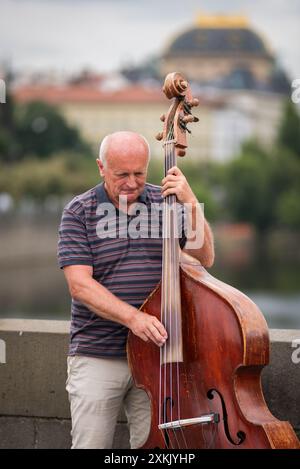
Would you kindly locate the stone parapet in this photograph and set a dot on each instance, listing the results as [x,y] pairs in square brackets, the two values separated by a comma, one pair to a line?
[34,407]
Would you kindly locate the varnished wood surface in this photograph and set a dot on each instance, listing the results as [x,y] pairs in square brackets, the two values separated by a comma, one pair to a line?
[225,347]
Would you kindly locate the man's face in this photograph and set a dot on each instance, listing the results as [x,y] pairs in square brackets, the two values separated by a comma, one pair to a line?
[125,173]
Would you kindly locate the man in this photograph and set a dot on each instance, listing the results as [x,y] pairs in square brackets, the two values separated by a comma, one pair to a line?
[109,277]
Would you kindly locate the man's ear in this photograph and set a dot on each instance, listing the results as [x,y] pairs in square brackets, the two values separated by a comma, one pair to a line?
[100,167]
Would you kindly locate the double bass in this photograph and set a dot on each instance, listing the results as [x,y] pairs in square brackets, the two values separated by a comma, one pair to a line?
[204,383]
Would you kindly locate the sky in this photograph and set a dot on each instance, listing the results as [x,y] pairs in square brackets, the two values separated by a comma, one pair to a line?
[103,35]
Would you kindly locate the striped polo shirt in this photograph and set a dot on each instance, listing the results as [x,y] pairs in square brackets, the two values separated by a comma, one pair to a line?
[125,253]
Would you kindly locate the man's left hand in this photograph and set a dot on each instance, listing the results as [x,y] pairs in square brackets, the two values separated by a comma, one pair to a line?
[175,183]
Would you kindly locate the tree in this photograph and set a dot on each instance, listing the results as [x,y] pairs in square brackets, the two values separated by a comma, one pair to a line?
[285,187]
[9,146]
[289,130]
[287,208]
[42,131]
[247,182]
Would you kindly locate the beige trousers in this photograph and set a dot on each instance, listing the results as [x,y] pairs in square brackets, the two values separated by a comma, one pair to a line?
[98,388]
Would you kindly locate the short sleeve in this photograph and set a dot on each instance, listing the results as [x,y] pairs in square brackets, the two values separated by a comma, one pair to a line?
[73,244]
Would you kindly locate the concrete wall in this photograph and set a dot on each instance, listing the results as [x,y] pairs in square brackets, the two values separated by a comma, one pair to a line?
[34,408]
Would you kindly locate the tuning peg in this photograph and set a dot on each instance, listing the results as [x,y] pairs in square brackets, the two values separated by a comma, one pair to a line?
[163,117]
[196,119]
[181,153]
[159,136]
[188,118]
[194,102]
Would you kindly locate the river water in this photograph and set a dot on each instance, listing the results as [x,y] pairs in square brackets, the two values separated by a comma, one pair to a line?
[32,285]
[40,292]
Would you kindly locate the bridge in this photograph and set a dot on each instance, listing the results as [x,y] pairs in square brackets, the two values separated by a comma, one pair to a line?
[34,407]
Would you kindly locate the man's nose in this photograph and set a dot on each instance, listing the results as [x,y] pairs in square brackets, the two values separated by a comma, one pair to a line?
[131,181]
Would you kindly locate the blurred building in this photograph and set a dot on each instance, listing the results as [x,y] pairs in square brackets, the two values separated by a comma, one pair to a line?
[231,70]
[222,51]
[99,111]
[226,119]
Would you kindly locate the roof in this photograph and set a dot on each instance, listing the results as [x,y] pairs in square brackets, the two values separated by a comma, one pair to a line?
[222,20]
[218,41]
[84,94]
[78,94]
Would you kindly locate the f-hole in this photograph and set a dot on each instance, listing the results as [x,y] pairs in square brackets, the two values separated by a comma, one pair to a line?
[167,405]
[240,434]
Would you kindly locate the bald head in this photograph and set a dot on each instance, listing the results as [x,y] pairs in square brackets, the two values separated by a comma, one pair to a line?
[123,164]
[123,144]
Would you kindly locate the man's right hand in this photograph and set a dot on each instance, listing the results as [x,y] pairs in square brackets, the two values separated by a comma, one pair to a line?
[101,301]
[148,327]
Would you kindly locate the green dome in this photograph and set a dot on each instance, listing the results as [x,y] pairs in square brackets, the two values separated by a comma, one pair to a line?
[218,41]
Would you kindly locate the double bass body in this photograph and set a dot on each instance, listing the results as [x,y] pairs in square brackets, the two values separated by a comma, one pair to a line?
[225,347]
[204,384]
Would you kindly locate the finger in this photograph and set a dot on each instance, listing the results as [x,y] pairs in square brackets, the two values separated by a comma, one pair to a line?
[170,191]
[169,184]
[174,170]
[157,335]
[159,326]
[147,335]
[170,177]
[144,337]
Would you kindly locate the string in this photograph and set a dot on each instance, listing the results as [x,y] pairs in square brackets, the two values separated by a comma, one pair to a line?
[163,353]
[166,263]
[162,349]
[173,288]
[177,305]
[170,298]
[171,302]
[170,263]
[176,290]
